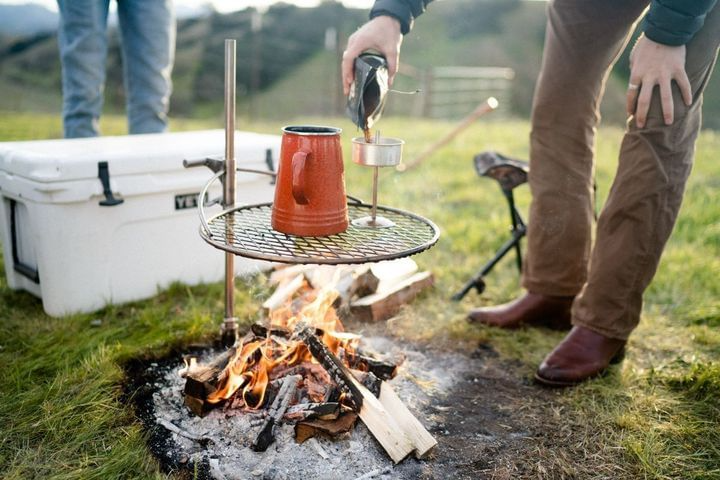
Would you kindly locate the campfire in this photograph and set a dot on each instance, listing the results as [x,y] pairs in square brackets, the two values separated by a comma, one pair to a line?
[301,367]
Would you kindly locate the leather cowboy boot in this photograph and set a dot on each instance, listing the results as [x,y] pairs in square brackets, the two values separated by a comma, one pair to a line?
[581,355]
[531,309]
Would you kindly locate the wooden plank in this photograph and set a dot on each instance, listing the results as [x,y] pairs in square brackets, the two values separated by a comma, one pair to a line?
[384,305]
[423,441]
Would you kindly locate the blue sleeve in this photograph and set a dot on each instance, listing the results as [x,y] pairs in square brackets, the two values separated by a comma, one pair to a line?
[675,22]
[404,11]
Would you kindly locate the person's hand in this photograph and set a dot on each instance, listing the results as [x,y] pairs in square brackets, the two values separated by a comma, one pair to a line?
[651,64]
[382,34]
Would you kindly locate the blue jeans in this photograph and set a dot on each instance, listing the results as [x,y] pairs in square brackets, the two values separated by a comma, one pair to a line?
[147,32]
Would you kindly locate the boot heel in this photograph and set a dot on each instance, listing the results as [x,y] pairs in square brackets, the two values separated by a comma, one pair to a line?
[618,357]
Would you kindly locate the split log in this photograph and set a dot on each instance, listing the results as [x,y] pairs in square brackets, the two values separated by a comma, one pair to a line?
[284,292]
[334,367]
[392,272]
[266,435]
[202,380]
[285,273]
[415,431]
[308,429]
[386,304]
[382,425]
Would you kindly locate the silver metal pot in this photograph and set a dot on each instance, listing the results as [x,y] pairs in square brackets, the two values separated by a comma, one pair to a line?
[385,152]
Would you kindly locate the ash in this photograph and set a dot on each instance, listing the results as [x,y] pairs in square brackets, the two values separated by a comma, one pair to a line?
[221,440]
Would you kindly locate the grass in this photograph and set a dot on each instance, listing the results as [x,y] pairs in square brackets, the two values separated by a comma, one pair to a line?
[656,416]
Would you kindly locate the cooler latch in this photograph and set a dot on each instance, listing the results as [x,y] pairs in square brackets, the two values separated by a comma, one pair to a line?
[104,176]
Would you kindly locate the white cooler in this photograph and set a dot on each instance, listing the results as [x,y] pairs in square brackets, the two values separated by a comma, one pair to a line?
[66,241]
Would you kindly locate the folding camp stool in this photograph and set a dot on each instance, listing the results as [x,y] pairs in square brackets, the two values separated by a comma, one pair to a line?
[509,173]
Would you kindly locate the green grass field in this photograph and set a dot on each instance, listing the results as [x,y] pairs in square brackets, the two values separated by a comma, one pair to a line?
[656,416]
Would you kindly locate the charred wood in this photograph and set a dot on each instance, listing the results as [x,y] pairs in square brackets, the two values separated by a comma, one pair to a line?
[202,380]
[334,367]
[266,435]
[308,429]
[382,369]
[311,411]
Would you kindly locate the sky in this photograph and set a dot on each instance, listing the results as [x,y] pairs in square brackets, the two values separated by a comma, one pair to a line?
[220,5]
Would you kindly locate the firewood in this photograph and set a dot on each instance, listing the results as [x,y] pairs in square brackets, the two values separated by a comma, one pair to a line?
[312,411]
[364,282]
[202,380]
[385,304]
[262,331]
[334,367]
[308,429]
[382,369]
[285,273]
[392,272]
[284,292]
[266,435]
[382,425]
[415,431]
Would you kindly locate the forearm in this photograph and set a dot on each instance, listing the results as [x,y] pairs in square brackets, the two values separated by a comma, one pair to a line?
[675,22]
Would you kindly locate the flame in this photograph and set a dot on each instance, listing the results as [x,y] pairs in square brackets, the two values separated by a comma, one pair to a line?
[249,371]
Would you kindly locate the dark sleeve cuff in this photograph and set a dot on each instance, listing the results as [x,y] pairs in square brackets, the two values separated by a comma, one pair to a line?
[675,22]
[404,11]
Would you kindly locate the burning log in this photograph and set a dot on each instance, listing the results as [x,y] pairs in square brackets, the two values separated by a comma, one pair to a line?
[308,429]
[380,423]
[266,435]
[334,367]
[385,304]
[201,382]
[263,331]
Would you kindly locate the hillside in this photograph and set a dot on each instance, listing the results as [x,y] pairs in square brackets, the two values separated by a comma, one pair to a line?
[286,69]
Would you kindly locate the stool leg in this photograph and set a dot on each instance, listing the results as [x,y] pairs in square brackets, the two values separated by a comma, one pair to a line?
[516,222]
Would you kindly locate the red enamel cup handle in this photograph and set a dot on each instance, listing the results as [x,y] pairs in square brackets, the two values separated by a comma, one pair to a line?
[298,176]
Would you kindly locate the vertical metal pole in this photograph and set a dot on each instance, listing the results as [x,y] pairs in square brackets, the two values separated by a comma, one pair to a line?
[373,213]
[229,328]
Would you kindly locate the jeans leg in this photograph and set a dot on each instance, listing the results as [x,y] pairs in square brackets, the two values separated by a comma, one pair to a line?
[148,46]
[640,212]
[82,39]
[583,39]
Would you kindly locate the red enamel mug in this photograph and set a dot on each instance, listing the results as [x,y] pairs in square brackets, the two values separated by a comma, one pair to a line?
[310,190]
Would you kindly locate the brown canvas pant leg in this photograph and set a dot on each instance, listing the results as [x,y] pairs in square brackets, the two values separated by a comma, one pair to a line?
[644,200]
[583,38]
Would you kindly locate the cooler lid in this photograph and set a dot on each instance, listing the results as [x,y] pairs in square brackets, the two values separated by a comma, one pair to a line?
[49,161]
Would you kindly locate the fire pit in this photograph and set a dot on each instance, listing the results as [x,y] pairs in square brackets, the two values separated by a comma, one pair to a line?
[300,367]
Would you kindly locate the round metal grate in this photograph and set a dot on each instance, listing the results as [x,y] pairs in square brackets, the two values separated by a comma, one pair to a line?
[246,231]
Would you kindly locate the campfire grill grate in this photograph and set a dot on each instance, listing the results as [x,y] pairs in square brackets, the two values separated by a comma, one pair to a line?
[246,231]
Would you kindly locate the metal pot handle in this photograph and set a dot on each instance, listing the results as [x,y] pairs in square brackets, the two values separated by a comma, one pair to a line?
[218,174]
